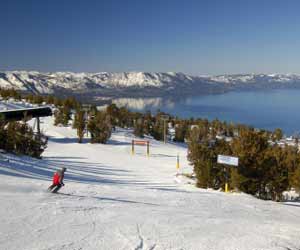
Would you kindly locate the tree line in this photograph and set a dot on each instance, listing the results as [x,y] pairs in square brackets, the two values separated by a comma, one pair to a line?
[265,169]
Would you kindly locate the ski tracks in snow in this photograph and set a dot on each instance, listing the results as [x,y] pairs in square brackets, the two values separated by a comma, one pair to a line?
[141,244]
[135,240]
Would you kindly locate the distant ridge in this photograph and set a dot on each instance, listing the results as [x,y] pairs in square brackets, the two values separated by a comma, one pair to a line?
[139,83]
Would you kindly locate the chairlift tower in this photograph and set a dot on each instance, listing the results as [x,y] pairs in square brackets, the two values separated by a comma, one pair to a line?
[165,118]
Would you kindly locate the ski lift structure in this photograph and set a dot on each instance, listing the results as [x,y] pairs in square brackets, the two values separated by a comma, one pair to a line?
[20,114]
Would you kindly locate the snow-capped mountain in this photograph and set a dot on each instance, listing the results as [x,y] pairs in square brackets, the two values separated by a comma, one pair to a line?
[47,82]
[256,78]
[138,83]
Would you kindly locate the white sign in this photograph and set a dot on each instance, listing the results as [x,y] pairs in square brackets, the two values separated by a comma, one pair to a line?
[224,159]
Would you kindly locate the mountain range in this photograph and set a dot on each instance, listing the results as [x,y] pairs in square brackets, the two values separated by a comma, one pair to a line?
[139,84]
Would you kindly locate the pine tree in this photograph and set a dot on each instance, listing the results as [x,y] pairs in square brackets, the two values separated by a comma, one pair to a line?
[79,124]
[113,112]
[100,128]
[58,117]
[295,179]
[277,135]
[158,130]
[125,120]
[200,155]
[70,103]
[250,147]
[181,129]
[160,126]
[20,139]
[3,134]
[66,115]
[139,127]
[148,123]
[62,116]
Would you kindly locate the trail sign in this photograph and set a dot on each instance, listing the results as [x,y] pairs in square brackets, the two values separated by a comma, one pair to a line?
[140,142]
[229,160]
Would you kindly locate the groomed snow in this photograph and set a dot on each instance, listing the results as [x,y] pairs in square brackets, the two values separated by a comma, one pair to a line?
[114,200]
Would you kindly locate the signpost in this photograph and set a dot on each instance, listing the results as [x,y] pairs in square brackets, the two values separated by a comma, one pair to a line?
[177,162]
[227,160]
[140,142]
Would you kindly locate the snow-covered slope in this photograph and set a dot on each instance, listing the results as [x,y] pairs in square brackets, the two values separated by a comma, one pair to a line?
[136,83]
[113,200]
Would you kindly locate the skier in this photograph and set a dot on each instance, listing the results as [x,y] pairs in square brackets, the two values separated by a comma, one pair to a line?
[57,182]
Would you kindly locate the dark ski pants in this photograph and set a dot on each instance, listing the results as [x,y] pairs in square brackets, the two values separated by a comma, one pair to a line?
[54,188]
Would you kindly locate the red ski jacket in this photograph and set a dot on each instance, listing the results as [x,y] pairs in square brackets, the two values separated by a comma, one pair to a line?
[56,178]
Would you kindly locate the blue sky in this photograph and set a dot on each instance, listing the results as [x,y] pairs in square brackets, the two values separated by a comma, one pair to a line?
[191,36]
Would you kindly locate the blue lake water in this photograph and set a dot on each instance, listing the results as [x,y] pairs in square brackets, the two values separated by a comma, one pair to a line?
[269,110]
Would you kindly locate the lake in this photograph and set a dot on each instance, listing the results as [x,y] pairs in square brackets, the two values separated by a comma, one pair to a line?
[269,110]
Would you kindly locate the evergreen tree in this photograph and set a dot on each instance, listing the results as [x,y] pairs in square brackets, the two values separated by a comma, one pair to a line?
[124,118]
[181,129]
[148,123]
[10,93]
[62,116]
[139,127]
[58,117]
[277,135]
[113,112]
[66,115]
[50,99]
[3,134]
[100,128]
[200,155]
[70,103]
[79,124]
[158,130]
[160,126]
[276,178]
[221,173]
[295,179]
[20,139]
[250,147]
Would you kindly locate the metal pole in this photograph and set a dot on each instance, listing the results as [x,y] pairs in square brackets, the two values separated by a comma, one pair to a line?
[132,147]
[38,126]
[148,153]
[165,136]
[165,118]
[177,163]
[164,131]
[86,122]
[226,180]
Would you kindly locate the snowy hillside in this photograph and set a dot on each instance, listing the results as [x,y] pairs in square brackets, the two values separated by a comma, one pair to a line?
[113,200]
[48,82]
[137,83]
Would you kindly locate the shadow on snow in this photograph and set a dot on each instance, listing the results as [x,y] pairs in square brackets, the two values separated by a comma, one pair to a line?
[108,199]
[77,171]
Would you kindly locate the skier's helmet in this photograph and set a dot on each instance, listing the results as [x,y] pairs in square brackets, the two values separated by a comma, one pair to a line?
[64,169]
